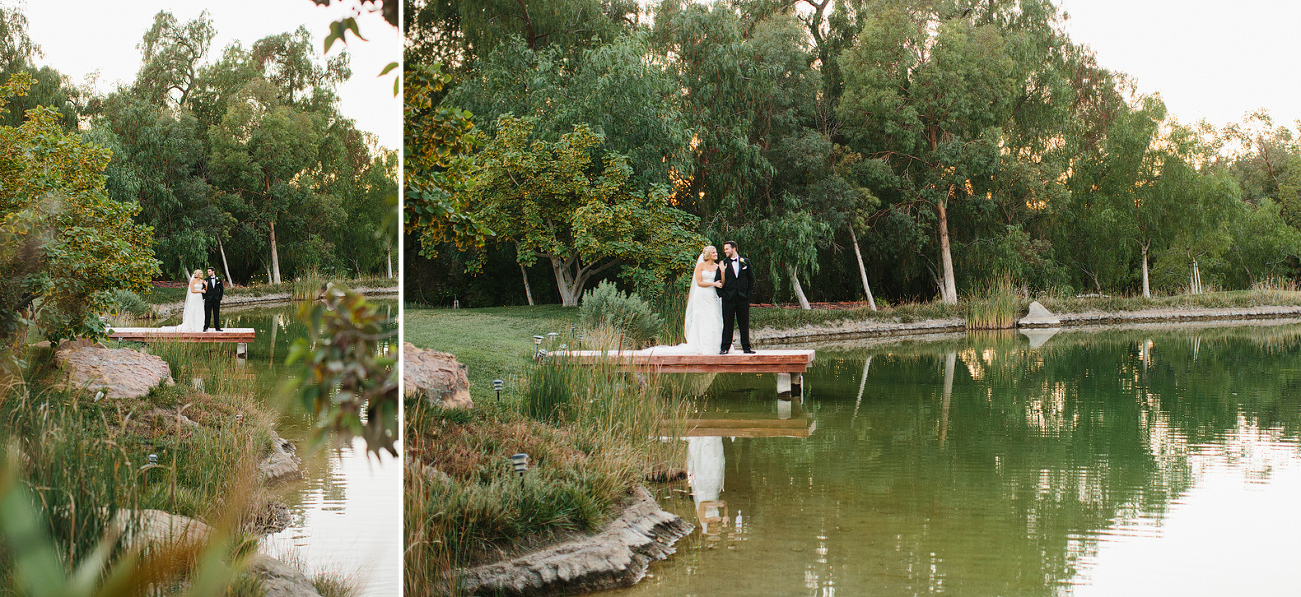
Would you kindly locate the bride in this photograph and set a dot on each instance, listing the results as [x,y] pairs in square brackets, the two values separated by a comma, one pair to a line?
[192,317]
[704,318]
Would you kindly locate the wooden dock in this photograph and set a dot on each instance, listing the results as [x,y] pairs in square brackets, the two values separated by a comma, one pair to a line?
[237,335]
[763,361]
[752,425]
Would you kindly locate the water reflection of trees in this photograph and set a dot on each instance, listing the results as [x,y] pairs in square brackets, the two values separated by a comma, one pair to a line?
[1040,450]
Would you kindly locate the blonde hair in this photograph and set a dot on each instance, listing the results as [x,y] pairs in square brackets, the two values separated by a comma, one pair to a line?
[198,273]
[705,251]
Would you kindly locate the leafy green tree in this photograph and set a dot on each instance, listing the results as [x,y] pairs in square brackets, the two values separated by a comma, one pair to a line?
[573,204]
[66,247]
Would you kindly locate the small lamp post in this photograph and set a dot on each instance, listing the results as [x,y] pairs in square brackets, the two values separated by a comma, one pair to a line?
[551,339]
[153,459]
[521,464]
[573,330]
[537,343]
[497,385]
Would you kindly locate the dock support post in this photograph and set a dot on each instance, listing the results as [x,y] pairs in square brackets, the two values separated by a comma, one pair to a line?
[797,385]
[783,384]
[241,350]
[790,385]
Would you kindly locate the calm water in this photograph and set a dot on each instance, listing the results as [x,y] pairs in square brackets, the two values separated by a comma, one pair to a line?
[346,512]
[1125,462]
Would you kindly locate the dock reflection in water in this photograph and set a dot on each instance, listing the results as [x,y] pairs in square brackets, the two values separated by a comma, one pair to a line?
[1139,462]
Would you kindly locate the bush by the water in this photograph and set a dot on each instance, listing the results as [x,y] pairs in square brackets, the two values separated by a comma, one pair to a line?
[626,314]
[125,301]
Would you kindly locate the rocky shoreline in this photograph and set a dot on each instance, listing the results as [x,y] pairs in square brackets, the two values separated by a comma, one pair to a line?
[616,557]
[165,310]
[848,330]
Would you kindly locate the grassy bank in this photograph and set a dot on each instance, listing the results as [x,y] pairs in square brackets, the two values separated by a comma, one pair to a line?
[84,457]
[591,434]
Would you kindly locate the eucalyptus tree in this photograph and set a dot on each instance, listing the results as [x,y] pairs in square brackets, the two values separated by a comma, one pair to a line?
[47,86]
[271,115]
[171,57]
[457,33]
[928,89]
[158,162]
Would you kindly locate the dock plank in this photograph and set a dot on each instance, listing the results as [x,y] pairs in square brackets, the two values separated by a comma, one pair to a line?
[765,361]
[241,335]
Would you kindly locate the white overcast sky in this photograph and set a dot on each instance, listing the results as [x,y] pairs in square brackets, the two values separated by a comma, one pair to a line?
[1216,59]
[79,37]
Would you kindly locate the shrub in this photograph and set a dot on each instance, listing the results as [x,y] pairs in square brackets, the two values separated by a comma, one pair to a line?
[626,313]
[125,301]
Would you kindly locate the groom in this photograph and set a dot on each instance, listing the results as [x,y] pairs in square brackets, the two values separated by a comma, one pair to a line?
[212,302]
[738,282]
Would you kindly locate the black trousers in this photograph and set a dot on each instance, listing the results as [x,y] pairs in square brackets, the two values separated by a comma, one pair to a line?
[211,315]
[740,310]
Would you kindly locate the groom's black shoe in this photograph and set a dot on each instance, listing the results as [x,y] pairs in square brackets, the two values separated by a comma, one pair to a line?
[205,329]
[722,352]
[218,329]
[748,351]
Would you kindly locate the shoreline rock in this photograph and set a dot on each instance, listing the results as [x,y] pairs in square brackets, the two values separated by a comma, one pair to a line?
[118,372]
[616,557]
[282,465]
[436,376]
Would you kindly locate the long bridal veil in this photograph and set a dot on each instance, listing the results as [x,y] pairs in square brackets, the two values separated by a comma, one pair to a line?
[703,320]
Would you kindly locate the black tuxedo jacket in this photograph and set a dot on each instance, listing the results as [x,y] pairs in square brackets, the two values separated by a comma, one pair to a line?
[736,288]
[215,289]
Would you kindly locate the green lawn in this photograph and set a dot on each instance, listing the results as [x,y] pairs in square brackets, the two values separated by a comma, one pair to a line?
[493,343]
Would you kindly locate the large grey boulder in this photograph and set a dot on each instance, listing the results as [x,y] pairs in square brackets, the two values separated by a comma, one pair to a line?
[617,557]
[1039,317]
[437,376]
[118,372]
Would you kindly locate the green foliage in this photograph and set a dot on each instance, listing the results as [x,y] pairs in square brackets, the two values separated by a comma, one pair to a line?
[995,305]
[437,164]
[343,371]
[65,247]
[125,301]
[625,313]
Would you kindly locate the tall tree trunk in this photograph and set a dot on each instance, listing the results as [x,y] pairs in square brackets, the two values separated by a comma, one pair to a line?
[224,264]
[799,290]
[570,289]
[949,292]
[1147,289]
[527,291]
[862,271]
[275,257]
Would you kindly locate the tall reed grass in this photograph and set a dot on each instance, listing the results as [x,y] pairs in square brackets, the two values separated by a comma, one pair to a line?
[994,305]
[85,459]
[591,433]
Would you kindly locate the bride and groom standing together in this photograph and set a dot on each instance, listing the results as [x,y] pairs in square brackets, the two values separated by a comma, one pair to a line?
[202,303]
[719,295]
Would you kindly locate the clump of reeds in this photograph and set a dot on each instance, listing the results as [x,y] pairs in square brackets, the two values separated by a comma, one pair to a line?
[994,305]
[307,285]
[591,432]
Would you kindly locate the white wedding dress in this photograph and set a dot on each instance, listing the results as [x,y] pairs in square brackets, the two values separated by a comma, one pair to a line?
[192,316]
[704,320]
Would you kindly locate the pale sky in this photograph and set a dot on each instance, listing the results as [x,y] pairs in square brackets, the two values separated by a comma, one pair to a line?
[1208,59]
[79,37]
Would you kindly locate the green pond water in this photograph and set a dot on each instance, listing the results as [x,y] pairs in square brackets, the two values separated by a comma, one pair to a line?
[1142,461]
[347,510]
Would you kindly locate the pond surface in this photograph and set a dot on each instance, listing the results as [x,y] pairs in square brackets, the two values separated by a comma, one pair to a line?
[1148,461]
[347,511]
